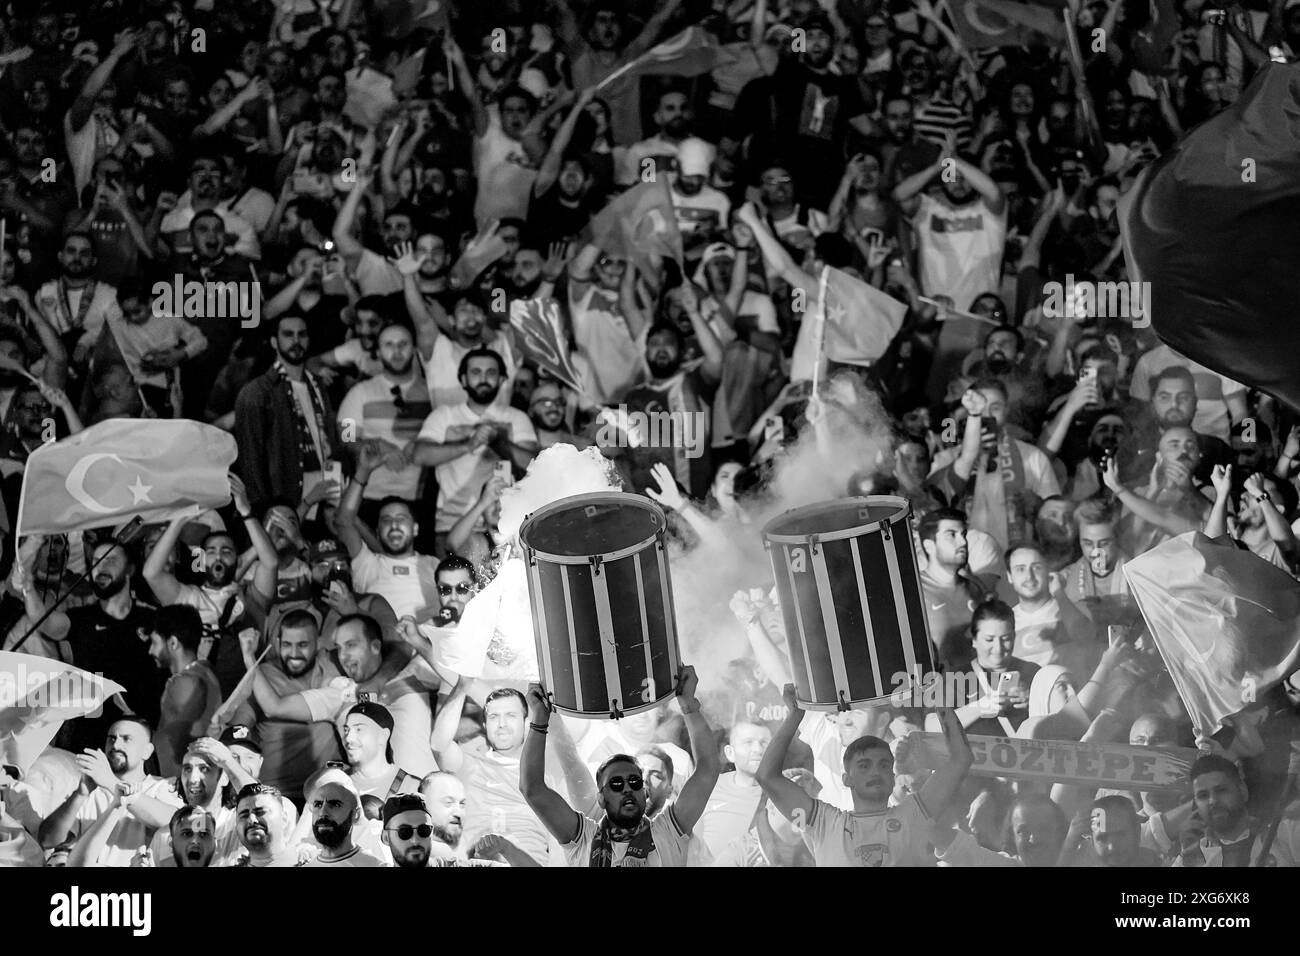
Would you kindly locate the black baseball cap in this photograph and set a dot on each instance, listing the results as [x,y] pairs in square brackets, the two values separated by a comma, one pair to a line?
[401,804]
[376,712]
[242,735]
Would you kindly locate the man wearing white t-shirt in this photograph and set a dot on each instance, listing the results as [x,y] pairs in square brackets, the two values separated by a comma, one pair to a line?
[673,118]
[1049,628]
[960,233]
[404,578]
[874,833]
[624,836]
[465,442]
[736,796]
[701,210]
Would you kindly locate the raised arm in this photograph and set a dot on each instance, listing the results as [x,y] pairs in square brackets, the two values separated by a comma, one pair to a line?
[939,791]
[788,796]
[775,256]
[162,582]
[550,168]
[443,739]
[348,246]
[468,86]
[268,559]
[84,105]
[1150,512]
[704,751]
[560,819]
[1216,525]
[346,521]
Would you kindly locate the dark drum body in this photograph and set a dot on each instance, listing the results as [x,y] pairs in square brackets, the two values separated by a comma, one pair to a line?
[602,604]
[850,594]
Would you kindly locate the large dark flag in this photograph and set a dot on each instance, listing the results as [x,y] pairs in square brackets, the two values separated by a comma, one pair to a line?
[1211,225]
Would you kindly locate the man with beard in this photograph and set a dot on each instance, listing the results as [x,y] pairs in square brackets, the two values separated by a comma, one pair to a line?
[207,184]
[358,357]
[376,273]
[902,150]
[114,791]
[105,638]
[284,422]
[658,767]
[1220,401]
[444,339]
[1262,525]
[221,600]
[444,800]
[204,786]
[672,119]
[1172,502]
[398,573]
[304,294]
[264,827]
[676,403]
[335,807]
[1003,358]
[874,834]
[808,109]
[625,835]
[75,305]
[1174,403]
[192,694]
[292,705]
[413,836]
[367,741]
[546,411]
[1049,628]
[951,592]
[389,409]
[333,596]
[1109,834]
[995,476]
[1056,532]
[960,234]
[701,210]
[464,442]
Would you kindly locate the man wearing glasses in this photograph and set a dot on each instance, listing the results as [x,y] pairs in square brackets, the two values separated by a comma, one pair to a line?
[408,833]
[625,835]
[546,409]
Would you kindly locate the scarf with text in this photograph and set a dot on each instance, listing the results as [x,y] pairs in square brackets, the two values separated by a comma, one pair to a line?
[640,841]
[313,459]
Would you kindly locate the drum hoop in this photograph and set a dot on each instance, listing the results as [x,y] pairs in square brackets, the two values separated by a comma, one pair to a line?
[621,498]
[835,707]
[604,714]
[902,514]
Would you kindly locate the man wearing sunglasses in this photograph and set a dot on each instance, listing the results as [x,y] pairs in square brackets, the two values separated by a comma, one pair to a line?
[408,833]
[624,836]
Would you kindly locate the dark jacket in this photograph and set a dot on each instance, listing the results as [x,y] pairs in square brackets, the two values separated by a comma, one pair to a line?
[267,433]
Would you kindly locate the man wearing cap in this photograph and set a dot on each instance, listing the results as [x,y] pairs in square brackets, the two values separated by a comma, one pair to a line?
[264,827]
[333,597]
[771,839]
[335,807]
[701,210]
[294,698]
[367,736]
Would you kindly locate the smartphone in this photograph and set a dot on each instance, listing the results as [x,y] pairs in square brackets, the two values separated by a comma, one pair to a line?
[505,471]
[1009,682]
[334,473]
[1117,634]
[1088,374]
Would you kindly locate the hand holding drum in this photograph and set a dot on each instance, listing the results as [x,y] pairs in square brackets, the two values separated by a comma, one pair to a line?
[539,705]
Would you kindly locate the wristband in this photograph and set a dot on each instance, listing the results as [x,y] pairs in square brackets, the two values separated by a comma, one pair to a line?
[1260,499]
[693,710]
[540,728]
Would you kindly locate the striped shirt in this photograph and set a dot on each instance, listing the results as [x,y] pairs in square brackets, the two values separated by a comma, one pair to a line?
[937,118]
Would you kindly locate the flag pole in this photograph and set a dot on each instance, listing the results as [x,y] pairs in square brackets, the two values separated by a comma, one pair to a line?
[122,538]
[821,328]
[621,70]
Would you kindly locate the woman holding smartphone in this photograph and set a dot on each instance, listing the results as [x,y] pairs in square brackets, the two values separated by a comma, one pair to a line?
[992,694]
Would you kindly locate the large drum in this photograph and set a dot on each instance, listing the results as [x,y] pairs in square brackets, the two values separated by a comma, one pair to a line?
[850,596]
[602,604]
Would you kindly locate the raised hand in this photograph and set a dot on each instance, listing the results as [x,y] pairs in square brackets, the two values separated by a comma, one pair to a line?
[408,260]
[539,705]
[1221,478]
[668,494]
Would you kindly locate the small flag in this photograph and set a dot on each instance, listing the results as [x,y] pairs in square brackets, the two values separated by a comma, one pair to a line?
[689,53]
[37,694]
[638,222]
[855,324]
[982,24]
[122,468]
[1226,622]
[1210,225]
[406,75]
[541,337]
[370,96]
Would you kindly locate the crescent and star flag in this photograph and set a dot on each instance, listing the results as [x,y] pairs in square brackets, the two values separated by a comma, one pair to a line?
[124,467]
[1226,622]
[1210,225]
[639,221]
[537,326]
[993,23]
[855,325]
[37,694]
[689,53]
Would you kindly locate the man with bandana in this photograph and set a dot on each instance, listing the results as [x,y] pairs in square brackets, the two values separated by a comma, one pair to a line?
[624,836]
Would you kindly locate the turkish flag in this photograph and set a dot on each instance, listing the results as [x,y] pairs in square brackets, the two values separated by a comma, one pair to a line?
[983,24]
[636,222]
[122,468]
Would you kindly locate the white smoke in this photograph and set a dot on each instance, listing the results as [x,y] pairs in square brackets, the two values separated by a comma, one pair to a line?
[557,472]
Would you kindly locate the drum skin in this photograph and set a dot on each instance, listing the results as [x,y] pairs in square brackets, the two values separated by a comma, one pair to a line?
[601,596]
[850,593]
